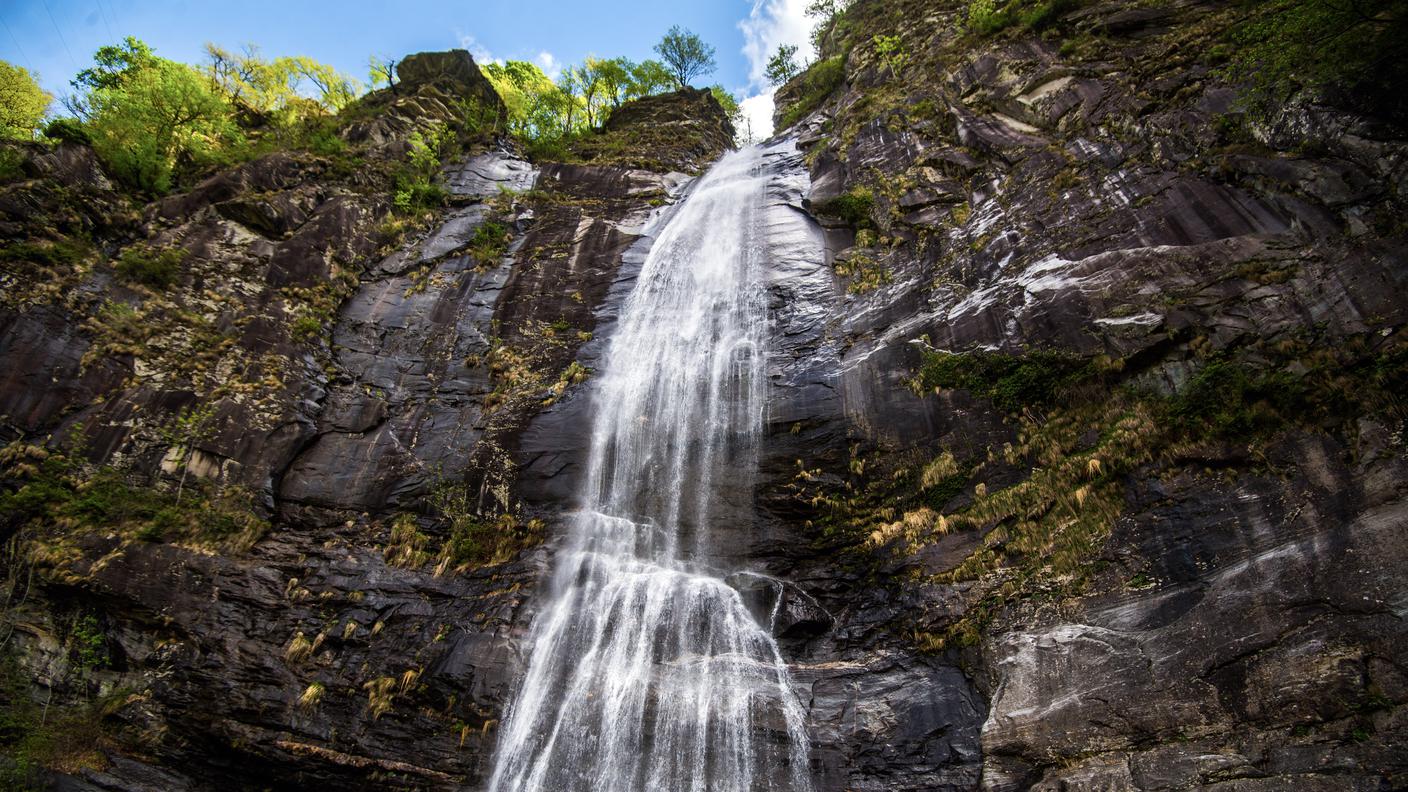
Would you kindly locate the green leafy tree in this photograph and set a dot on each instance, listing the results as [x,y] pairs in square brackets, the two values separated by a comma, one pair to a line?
[729,103]
[22,102]
[649,77]
[827,14]
[114,63]
[287,89]
[153,114]
[685,55]
[381,72]
[782,66]
[538,108]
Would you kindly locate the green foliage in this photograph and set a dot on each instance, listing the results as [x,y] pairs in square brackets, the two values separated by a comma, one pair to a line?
[853,206]
[11,164]
[782,66]
[685,55]
[1012,382]
[415,186]
[67,130]
[892,53]
[62,254]
[1357,46]
[829,16]
[57,499]
[155,267]
[277,89]
[987,17]
[22,102]
[814,86]
[113,64]
[489,244]
[35,737]
[145,120]
[86,643]
[729,103]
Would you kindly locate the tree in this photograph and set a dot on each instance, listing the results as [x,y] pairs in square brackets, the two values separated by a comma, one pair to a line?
[22,102]
[381,72]
[685,55]
[113,63]
[782,66]
[649,77]
[729,103]
[276,87]
[827,13]
[153,115]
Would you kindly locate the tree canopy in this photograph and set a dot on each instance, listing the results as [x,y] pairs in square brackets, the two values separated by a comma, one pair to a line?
[782,66]
[685,55]
[22,102]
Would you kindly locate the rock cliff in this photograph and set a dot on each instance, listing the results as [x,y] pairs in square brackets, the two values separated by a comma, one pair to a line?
[1085,465]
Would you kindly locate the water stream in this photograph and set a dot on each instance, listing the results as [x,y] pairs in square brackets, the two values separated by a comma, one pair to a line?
[646,669]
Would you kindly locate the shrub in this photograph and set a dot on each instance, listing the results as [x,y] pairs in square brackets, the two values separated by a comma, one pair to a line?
[1360,48]
[150,266]
[489,243]
[1012,382]
[415,189]
[813,87]
[67,130]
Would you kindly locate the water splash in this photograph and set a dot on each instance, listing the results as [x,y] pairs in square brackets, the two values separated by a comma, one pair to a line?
[647,671]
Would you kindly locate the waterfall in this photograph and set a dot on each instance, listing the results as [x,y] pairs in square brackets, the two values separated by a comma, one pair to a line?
[646,669]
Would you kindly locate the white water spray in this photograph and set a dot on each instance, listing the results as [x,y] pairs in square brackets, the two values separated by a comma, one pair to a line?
[647,671]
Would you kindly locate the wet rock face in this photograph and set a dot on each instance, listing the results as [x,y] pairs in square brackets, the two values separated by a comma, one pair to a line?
[1241,627]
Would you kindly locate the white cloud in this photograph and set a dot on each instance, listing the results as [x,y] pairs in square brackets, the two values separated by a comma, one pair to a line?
[549,63]
[770,24]
[757,117]
[480,52]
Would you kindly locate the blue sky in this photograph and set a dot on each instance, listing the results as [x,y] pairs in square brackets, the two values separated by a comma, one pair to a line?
[56,38]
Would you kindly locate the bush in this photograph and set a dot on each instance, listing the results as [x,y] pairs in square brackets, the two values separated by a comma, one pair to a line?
[67,130]
[156,268]
[1012,382]
[489,243]
[813,87]
[987,17]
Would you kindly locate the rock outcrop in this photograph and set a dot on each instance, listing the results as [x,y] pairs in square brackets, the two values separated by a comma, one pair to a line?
[1085,464]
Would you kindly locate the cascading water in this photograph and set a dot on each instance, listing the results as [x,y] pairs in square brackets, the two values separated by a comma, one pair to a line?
[647,671]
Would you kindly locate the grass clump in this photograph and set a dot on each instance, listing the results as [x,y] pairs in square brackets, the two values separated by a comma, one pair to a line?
[489,244]
[155,267]
[59,254]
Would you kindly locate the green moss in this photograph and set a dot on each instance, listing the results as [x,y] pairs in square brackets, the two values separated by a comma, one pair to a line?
[1012,382]
[854,207]
[11,164]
